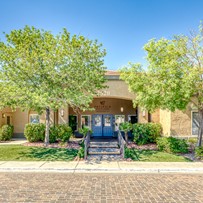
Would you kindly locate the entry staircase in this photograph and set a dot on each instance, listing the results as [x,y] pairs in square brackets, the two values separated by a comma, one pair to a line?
[104,149]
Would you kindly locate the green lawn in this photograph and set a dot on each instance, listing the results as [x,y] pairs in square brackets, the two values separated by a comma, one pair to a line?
[23,153]
[153,156]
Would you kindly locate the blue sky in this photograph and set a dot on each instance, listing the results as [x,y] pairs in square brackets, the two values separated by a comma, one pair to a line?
[122,26]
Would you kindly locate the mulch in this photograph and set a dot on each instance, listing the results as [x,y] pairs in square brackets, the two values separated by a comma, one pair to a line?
[67,145]
[151,146]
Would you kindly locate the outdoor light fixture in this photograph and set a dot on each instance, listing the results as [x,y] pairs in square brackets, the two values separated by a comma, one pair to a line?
[143,113]
[3,115]
[62,112]
[121,109]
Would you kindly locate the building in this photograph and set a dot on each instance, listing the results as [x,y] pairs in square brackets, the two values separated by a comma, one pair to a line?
[113,107]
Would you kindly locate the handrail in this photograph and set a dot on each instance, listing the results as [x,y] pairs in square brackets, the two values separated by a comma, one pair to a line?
[121,143]
[86,143]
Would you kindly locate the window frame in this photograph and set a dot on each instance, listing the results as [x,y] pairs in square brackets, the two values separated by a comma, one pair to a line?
[115,120]
[33,114]
[89,122]
[193,111]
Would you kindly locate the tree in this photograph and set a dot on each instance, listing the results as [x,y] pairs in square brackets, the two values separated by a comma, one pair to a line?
[126,127]
[174,77]
[49,72]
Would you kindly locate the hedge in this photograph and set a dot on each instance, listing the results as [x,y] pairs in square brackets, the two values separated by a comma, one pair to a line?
[6,132]
[145,133]
[36,132]
[172,145]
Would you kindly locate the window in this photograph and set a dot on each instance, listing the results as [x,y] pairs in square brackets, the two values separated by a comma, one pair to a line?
[97,121]
[195,123]
[85,121]
[73,122]
[149,117]
[34,118]
[118,120]
[8,120]
[132,119]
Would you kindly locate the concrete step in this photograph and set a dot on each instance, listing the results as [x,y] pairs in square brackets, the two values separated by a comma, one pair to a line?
[103,151]
[104,157]
[103,144]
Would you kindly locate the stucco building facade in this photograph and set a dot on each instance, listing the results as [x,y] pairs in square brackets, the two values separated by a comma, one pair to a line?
[112,107]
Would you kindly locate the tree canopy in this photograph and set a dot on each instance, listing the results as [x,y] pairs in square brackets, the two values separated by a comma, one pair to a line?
[174,76]
[46,71]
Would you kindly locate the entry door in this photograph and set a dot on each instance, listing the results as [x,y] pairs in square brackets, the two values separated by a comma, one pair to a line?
[107,125]
[102,125]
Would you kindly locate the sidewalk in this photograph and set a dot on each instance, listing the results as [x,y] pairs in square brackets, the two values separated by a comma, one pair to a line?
[102,167]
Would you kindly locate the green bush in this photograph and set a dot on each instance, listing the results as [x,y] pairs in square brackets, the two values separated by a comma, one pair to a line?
[131,153]
[199,152]
[64,132]
[81,151]
[34,132]
[6,132]
[172,145]
[146,132]
[53,132]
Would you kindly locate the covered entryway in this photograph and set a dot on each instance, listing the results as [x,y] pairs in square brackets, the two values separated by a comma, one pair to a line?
[102,125]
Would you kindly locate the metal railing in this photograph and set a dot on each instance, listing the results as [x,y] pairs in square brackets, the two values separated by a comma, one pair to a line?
[121,143]
[87,144]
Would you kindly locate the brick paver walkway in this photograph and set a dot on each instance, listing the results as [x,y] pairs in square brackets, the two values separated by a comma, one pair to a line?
[66,187]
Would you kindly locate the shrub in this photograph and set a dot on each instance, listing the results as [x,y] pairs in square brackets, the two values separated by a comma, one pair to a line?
[64,132]
[34,132]
[6,132]
[81,151]
[146,132]
[172,145]
[199,152]
[53,133]
[131,153]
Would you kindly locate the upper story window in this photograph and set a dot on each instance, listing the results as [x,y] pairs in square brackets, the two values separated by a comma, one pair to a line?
[34,118]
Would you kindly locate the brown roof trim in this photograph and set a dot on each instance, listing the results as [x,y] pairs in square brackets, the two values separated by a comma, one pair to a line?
[112,72]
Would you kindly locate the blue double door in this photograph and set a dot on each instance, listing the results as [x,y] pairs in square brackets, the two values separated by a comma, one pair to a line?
[102,125]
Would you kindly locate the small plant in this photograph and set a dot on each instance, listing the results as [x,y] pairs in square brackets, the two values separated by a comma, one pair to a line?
[6,132]
[81,151]
[131,153]
[199,152]
[84,131]
[192,143]
[126,127]
[145,133]
[172,145]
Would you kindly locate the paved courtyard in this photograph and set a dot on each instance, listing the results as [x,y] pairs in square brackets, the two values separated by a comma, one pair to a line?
[66,187]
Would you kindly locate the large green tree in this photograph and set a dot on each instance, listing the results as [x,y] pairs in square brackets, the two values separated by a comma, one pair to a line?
[174,77]
[47,72]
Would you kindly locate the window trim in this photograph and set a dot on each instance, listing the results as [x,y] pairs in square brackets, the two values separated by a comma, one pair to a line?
[90,127]
[193,111]
[33,114]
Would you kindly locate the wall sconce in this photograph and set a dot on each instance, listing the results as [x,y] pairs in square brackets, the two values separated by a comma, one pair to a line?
[3,115]
[122,109]
[62,112]
[143,113]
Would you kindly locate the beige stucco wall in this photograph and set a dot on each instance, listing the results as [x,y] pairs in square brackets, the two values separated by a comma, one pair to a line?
[108,106]
[156,116]
[181,123]
[165,120]
[142,115]
[118,89]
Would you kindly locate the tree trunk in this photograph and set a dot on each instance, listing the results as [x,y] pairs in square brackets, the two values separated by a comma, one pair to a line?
[126,137]
[46,142]
[200,130]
